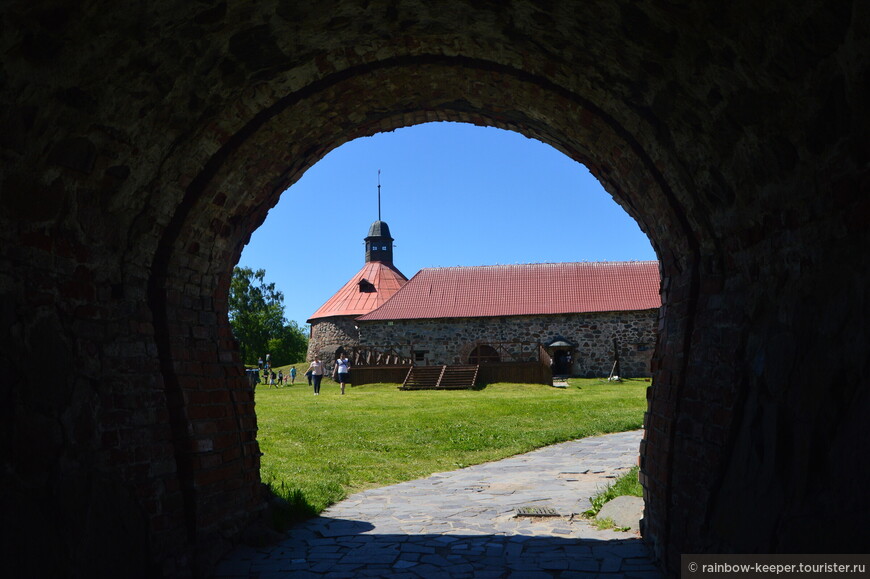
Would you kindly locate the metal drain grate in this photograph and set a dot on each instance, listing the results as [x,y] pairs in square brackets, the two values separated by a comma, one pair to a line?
[536,512]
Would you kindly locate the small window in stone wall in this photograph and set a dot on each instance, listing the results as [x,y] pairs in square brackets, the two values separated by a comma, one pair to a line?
[420,355]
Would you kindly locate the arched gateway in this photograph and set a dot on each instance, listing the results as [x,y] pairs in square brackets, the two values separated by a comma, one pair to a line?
[141,147]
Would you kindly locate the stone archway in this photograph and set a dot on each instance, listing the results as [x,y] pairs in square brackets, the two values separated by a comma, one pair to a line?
[492,95]
[483,353]
[129,187]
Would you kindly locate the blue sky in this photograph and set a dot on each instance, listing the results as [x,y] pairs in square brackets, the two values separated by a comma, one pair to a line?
[452,194]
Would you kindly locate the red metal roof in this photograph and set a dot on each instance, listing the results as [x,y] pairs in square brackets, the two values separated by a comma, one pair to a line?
[350,300]
[515,290]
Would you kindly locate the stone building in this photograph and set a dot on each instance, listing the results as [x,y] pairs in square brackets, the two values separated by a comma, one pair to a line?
[577,311]
[581,313]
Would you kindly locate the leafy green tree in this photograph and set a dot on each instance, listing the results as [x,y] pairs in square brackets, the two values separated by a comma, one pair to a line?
[290,346]
[256,312]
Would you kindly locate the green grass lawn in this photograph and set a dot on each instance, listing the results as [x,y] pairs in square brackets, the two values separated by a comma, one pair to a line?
[318,449]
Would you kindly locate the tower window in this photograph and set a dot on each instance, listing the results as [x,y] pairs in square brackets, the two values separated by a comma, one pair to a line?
[365,286]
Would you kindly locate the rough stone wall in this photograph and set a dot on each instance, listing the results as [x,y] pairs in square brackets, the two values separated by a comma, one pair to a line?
[329,334]
[449,341]
[142,145]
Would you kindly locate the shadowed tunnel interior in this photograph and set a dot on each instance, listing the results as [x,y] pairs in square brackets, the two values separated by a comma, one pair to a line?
[142,145]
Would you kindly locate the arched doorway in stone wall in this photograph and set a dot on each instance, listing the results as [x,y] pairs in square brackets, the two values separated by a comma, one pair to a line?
[639,175]
[144,146]
[483,353]
[491,95]
[564,356]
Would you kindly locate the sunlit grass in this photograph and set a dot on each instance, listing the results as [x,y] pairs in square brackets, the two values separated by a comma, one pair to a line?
[318,449]
[626,485]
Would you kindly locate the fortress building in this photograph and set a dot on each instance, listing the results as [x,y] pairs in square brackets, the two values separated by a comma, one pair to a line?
[573,315]
[578,317]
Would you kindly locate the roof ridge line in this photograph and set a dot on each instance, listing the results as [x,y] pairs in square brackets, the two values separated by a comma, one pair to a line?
[604,262]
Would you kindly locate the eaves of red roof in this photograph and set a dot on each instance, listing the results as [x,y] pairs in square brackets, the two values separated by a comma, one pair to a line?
[351,301]
[531,289]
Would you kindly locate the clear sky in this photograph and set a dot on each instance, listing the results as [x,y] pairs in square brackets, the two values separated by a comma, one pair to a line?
[452,194]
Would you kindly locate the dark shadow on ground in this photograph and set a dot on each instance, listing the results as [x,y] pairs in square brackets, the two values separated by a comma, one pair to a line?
[337,548]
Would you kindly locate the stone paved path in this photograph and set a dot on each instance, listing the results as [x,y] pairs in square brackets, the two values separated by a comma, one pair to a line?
[462,524]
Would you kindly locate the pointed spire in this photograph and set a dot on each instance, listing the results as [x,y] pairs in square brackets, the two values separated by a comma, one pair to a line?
[379,243]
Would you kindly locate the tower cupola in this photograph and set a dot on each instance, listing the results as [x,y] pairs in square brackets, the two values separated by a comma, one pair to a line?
[379,243]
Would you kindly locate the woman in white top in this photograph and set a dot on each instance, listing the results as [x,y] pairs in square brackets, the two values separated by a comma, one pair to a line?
[316,369]
[341,370]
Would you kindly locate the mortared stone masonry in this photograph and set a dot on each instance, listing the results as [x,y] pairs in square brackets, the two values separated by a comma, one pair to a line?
[142,143]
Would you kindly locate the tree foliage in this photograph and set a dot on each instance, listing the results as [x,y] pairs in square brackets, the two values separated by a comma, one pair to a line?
[256,312]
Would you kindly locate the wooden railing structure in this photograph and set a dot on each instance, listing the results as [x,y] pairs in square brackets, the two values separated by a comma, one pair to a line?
[390,365]
[390,356]
[544,356]
[462,377]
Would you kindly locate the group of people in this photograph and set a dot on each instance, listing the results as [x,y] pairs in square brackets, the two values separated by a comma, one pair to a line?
[278,379]
[315,373]
[340,372]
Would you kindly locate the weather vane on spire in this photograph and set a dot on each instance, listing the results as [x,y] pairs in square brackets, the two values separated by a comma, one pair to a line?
[379,194]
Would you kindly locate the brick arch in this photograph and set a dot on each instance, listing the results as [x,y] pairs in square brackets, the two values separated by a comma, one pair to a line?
[228,200]
[143,147]
[224,204]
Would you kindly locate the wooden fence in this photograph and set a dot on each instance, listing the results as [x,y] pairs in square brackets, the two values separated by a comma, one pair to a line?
[521,372]
[360,375]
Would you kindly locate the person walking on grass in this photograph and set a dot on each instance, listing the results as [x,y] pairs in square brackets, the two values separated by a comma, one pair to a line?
[280,378]
[316,369]
[342,365]
[292,375]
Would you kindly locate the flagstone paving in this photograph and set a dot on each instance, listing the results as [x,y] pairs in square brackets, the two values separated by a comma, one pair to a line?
[463,524]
